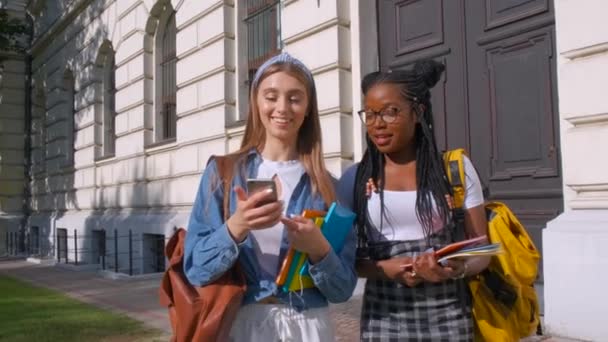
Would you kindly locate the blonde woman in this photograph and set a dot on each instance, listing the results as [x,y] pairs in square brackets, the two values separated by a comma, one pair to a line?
[282,141]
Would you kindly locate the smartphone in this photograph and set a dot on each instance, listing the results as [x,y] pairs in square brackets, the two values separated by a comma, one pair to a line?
[255,185]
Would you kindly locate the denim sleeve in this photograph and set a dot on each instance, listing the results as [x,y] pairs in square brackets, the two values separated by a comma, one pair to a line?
[335,274]
[209,249]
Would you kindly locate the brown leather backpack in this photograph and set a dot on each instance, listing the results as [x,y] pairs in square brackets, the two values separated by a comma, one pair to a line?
[202,313]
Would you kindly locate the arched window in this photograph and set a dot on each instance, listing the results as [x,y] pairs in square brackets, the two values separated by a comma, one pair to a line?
[38,148]
[109,111]
[68,87]
[105,112]
[166,89]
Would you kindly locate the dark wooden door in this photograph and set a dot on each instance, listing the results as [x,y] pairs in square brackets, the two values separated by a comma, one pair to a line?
[498,95]
[513,96]
[413,30]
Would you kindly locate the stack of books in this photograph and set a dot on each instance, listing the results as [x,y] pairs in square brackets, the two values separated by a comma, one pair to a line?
[490,249]
[335,224]
[464,249]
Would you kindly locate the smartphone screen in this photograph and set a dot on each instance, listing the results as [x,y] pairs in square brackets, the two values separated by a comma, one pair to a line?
[256,185]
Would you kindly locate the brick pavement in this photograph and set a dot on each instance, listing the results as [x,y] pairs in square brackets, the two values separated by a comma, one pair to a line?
[346,319]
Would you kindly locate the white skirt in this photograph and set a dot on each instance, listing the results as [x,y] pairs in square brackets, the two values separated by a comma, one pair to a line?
[279,322]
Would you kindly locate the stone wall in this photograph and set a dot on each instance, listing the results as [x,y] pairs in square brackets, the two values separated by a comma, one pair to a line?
[12,129]
[575,243]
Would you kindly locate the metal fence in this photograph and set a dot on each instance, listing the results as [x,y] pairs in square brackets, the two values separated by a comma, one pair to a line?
[12,243]
[120,252]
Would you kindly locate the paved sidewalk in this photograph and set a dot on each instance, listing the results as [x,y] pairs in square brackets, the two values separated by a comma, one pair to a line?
[346,318]
[138,297]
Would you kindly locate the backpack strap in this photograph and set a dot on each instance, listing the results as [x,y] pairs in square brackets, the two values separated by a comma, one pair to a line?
[225,171]
[454,167]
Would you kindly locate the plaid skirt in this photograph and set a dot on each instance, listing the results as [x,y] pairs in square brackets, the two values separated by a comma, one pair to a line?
[428,312]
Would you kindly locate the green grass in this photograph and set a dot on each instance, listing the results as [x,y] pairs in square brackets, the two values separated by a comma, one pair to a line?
[29,313]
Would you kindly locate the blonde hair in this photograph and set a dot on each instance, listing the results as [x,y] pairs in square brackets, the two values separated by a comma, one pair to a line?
[309,142]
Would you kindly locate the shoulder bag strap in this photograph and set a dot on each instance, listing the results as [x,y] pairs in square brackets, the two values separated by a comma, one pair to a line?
[225,171]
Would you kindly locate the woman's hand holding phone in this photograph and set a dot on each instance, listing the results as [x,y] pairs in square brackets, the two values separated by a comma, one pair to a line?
[252,213]
[255,185]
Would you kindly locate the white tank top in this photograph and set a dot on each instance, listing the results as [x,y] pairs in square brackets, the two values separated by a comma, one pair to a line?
[400,221]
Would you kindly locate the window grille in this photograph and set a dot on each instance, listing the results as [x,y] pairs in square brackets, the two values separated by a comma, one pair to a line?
[168,76]
[263,32]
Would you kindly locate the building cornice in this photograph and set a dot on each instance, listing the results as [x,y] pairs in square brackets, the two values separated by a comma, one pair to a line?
[339,22]
[588,119]
[586,51]
[59,25]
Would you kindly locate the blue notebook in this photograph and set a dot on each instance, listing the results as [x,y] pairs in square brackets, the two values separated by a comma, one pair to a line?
[337,225]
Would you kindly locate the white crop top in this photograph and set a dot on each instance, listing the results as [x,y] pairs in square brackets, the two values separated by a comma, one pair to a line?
[400,221]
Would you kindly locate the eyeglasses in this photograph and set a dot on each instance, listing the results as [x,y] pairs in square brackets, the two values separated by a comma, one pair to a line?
[388,115]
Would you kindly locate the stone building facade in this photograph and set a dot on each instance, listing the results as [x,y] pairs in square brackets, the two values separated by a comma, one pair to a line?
[129,99]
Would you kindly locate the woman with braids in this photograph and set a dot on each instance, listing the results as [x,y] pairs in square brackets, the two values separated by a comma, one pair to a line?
[401,196]
[282,141]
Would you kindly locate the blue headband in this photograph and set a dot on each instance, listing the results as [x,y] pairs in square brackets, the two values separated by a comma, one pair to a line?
[283,58]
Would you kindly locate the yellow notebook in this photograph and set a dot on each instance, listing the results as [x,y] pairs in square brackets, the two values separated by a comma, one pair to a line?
[295,280]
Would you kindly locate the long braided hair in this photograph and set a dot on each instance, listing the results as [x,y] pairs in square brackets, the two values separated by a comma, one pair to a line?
[431,182]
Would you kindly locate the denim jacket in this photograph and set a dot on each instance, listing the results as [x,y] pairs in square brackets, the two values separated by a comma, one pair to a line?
[210,250]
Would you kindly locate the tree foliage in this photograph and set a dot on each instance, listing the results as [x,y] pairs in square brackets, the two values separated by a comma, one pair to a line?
[12,31]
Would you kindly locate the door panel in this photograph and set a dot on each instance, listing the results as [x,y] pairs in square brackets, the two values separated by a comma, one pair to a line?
[502,12]
[521,110]
[414,35]
[416,29]
[512,95]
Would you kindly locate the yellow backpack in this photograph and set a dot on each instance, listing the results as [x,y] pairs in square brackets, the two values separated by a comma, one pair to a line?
[505,304]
